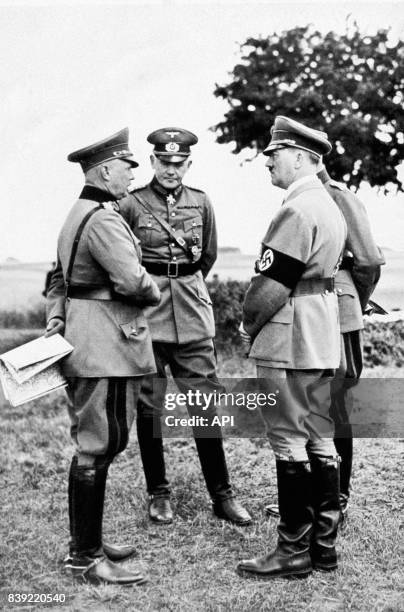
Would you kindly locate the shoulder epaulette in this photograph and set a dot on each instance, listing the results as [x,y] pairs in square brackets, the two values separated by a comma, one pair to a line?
[194,189]
[111,206]
[134,189]
[337,185]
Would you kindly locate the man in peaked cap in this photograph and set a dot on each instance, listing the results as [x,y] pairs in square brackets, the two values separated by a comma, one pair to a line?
[355,282]
[176,226]
[108,149]
[291,319]
[96,296]
[356,279]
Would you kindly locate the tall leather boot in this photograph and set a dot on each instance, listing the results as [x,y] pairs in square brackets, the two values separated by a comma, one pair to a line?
[114,552]
[291,557]
[325,473]
[344,448]
[87,561]
[150,441]
[343,437]
[214,469]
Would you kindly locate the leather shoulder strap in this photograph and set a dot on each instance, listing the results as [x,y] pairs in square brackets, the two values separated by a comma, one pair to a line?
[76,242]
[180,241]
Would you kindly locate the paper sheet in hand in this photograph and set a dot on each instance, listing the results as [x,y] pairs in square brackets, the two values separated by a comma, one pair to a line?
[30,371]
[31,358]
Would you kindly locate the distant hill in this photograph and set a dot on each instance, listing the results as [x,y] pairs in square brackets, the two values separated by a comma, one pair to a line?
[11,260]
[228,249]
[22,283]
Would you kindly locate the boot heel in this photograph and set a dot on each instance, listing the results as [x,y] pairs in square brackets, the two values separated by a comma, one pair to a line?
[325,567]
[301,575]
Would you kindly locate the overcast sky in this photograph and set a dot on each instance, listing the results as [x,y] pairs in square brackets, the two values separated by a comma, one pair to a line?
[75,72]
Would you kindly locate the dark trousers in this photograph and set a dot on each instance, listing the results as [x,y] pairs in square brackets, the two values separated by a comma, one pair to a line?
[193,367]
[101,414]
[347,376]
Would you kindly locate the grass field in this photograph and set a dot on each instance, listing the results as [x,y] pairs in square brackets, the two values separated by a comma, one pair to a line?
[191,563]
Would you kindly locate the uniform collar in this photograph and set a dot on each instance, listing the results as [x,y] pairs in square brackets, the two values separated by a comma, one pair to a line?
[162,191]
[299,183]
[323,176]
[96,194]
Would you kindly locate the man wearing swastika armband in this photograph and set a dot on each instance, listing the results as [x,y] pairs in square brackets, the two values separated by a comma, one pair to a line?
[356,279]
[291,317]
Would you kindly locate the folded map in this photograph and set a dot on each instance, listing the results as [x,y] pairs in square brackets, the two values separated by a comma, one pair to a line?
[31,370]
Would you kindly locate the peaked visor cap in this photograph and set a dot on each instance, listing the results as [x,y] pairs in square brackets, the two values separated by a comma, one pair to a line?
[113,147]
[290,133]
[172,143]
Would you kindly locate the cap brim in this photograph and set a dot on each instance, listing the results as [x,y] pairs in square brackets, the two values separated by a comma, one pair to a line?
[172,158]
[130,160]
[273,147]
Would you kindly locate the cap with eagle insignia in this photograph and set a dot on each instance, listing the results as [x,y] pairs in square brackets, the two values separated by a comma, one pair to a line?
[112,147]
[172,144]
[287,132]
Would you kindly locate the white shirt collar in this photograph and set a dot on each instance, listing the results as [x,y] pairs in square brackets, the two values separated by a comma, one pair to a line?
[301,181]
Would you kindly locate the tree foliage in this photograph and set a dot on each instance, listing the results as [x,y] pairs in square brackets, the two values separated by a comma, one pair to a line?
[349,85]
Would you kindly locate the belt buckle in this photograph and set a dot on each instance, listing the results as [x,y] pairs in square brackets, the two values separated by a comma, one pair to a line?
[169,273]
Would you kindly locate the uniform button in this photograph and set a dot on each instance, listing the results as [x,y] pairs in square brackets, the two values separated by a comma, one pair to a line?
[149,225]
[174,258]
[339,290]
[173,214]
[193,223]
[172,244]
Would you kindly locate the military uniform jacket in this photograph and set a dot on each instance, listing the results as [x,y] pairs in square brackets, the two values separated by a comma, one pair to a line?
[110,338]
[184,313]
[304,241]
[354,287]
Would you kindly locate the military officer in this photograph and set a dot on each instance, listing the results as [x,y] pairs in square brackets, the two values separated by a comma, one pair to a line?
[176,226]
[355,282]
[96,296]
[291,316]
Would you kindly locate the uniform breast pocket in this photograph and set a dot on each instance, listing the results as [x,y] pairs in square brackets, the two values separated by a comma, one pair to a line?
[193,237]
[148,230]
[193,230]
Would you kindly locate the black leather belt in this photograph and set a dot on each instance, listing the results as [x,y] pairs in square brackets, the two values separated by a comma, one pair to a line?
[172,269]
[313,286]
[84,292]
[346,263]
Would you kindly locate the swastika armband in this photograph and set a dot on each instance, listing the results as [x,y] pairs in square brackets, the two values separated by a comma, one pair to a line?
[280,267]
